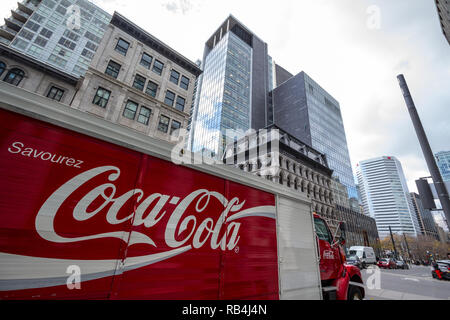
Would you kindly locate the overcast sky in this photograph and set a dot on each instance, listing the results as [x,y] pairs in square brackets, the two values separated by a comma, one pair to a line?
[341,45]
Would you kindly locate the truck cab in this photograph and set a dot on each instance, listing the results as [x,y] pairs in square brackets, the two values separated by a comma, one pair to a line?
[339,281]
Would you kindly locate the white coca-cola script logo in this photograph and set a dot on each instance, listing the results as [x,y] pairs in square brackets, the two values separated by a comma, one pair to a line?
[200,232]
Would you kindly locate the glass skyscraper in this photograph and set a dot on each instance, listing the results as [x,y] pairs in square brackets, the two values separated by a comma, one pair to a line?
[305,110]
[62,33]
[233,89]
[443,162]
[225,94]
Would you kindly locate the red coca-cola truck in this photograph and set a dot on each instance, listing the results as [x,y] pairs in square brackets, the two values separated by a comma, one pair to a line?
[93,210]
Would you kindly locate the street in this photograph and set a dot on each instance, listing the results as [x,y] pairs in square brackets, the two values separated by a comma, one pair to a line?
[413,284]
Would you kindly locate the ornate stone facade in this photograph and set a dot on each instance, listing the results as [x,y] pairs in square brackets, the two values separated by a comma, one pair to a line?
[285,160]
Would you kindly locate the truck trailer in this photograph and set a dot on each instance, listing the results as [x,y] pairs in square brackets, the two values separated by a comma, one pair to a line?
[93,210]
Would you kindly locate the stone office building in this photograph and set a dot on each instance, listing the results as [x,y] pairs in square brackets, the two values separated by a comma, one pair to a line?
[134,80]
[304,169]
[137,81]
[292,164]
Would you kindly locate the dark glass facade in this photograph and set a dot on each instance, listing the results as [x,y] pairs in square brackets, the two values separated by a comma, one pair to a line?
[310,114]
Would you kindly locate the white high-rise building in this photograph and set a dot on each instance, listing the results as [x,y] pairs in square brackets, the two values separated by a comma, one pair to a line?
[385,196]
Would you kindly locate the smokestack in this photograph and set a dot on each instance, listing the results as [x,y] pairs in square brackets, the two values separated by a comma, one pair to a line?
[426,149]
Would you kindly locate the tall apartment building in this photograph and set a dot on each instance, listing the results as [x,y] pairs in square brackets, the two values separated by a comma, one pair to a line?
[32,75]
[424,217]
[304,109]
[443,9]
[443,163]
[137,81]
[385,196]
[233,89]
[64,34]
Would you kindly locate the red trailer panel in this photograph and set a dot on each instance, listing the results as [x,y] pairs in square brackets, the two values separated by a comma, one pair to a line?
[136,226]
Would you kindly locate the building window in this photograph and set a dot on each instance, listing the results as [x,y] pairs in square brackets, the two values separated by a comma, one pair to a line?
[26,34]
[170,98]
[40,41]
[14,76]
[113,69]
[79,70]
[139,82]
[49,3]
[146,60]
[180,103]
[55,93]
[122,46]
[175,77]
[144,115]
[19,43]
[174,126]
[37,17]
[163,124]
[91,46]
[61,10]
[102,97]
[92,37]
[72,36]
[88,54]
[34,50]
[67,43]
[46,33]
[158,67]
[130,110]
[184,83]
[65,3]
[151,89]
[32,26]
[57,60]
[2,67]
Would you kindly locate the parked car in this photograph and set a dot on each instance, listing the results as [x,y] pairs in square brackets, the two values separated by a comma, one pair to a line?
[354,261]
[387,263]
[441,270]
[401,264]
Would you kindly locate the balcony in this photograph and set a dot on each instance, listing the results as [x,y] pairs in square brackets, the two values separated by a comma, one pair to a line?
[7,32]
[20,15]
[28,8]
[14,23]
[4,41]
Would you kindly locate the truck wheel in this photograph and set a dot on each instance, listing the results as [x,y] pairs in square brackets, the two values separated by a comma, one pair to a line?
[364,265]
[354,293]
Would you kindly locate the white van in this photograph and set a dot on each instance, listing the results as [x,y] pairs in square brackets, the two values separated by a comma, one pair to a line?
[365,254]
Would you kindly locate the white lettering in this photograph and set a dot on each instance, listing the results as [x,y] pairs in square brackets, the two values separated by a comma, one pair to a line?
[179,230]
[15,145]
[19,147]
[46,153]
